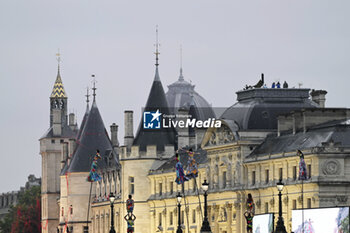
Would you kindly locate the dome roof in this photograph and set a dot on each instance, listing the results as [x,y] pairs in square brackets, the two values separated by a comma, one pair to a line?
[259,108]
[182,94]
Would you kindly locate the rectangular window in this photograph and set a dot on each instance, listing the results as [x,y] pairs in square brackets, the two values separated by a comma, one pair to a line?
[131,185]
[182,217]
[309,171]
[71,209]
[171,220]
[160,219]
[294,172]
[193,216]
[86,229]
[194,185]
[53,141]
[267,178]
[309,203]
[253,178]
[224,180]
[280,173]
[160,189]
[266,207]
[171,187]
[294,204]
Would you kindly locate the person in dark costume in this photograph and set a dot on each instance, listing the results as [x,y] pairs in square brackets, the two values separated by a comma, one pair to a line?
[130,219]
[130,204]
[249,218]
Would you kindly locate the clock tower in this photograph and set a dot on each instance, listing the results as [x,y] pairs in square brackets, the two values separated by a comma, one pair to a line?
[56,146]
[58,100]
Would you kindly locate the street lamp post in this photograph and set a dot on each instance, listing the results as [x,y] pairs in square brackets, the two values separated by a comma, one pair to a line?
[111,199]
[205,225]
[178,197]
[280,228]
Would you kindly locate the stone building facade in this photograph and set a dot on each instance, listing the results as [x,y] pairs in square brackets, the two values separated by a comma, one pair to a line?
[253,149]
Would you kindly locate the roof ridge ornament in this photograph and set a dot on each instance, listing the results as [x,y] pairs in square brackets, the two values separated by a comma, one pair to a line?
[157,47]
[58,58]
[94,81]
[181,77]
[87,95]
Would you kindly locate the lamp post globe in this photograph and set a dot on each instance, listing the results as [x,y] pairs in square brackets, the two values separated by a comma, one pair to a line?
[178,199]
[112,199]
[205,225]
[280,228]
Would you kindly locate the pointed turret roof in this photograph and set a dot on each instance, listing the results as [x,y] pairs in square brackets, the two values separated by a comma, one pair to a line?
[160,137]
[94,136]
[58,89]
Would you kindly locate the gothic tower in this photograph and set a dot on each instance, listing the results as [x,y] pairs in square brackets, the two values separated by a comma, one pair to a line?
[55,146]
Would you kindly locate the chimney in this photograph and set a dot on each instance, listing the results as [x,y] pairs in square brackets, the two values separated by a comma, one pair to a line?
[128,128]
[57,122]
[71,149]
[114,135]
[64,153]
[319,97]
[71,119]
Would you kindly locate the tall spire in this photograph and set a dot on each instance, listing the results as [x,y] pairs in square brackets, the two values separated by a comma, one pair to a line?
[181,77]
[58,89]
[94,88]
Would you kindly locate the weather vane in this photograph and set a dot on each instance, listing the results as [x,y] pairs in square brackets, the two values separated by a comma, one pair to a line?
[58,55]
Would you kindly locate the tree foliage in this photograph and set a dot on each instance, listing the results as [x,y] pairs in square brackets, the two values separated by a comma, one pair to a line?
[25,217]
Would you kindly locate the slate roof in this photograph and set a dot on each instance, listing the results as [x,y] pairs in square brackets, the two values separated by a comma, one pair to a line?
[160,137]
[94,136]
[259,108]
[169,164]
[67,132]
[65,167]
[182,94]
[333,131]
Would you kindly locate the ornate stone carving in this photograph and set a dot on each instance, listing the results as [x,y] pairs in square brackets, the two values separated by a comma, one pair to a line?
[331,167]
[221,136]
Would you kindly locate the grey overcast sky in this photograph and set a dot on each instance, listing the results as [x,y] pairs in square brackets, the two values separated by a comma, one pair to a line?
[226,44]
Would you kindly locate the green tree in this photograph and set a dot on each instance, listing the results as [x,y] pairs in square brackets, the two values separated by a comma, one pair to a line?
[25,217]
